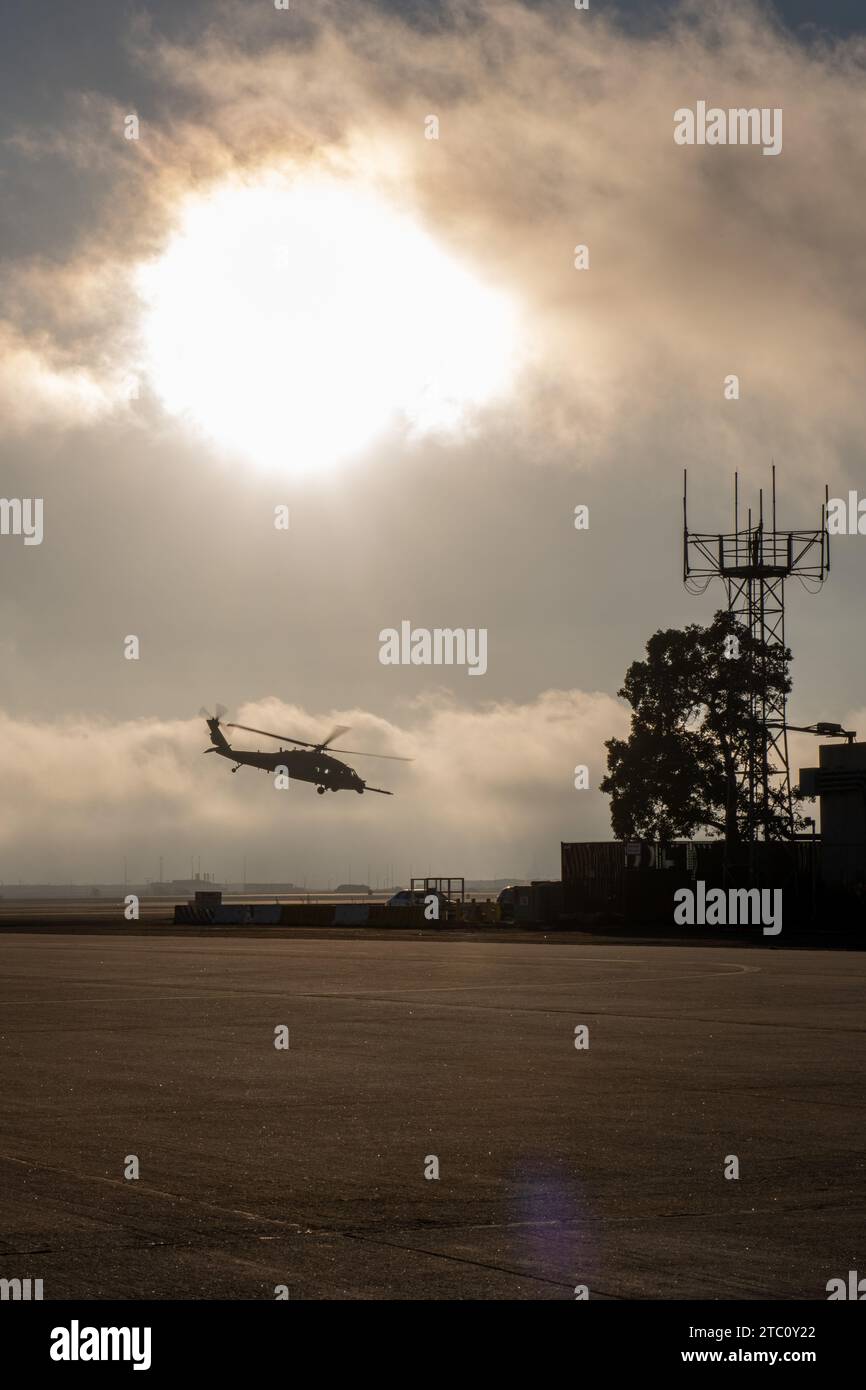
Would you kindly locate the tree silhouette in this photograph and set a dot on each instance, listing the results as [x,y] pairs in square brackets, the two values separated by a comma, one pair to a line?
[695,720]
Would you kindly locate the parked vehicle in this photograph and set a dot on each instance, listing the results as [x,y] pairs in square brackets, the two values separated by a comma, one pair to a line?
[507,899]
[407,898]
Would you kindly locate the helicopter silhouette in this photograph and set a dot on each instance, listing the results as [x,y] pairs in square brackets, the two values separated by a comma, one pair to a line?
[313,764]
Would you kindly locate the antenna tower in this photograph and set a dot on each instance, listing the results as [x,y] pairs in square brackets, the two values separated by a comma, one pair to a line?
[754,562]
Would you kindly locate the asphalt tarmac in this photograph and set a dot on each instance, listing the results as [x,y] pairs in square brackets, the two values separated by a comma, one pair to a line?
[303,1168]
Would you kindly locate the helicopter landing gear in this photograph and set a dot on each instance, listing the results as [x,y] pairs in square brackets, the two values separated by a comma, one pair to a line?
[237,769]
[321,791]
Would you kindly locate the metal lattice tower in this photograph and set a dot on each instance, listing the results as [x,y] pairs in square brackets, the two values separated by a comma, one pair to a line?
[754,563]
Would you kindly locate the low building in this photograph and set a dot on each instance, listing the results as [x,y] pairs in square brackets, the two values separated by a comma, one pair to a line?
[839,782]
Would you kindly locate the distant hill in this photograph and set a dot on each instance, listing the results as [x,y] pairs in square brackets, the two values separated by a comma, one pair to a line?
[493,885]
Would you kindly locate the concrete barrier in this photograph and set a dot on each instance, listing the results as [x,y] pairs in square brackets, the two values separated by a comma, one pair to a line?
[351,914]
[412,915]
[187,915]
[307,914]
[302,915]
[231,914]
[478,912]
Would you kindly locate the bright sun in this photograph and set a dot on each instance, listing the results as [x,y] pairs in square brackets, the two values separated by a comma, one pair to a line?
[295,320]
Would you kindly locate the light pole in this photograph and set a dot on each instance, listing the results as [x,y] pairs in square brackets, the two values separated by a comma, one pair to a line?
[810,820]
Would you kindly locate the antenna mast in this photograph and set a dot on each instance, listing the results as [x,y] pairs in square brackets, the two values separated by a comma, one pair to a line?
[754,564]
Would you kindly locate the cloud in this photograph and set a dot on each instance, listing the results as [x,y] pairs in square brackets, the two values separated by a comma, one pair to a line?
[490,792]
[35,392]
[556,130]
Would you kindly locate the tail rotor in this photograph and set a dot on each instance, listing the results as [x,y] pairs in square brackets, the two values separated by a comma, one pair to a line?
[217,737]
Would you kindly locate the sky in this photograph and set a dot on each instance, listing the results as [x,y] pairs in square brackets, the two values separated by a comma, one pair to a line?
[323,259]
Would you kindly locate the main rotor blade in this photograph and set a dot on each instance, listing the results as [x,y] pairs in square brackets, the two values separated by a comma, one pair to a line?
[335,733]
[283,738]
[302,743]
[355,753]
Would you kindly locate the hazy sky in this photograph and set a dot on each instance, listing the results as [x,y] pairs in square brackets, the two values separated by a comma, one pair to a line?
[274,147]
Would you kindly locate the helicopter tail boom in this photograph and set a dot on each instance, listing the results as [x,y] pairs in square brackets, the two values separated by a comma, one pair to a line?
[217,737]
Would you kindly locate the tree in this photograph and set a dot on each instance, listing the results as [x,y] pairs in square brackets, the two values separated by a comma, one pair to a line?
[695,720]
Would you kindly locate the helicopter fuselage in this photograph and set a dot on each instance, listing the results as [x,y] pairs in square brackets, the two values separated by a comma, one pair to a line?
[301,765]
[314,765]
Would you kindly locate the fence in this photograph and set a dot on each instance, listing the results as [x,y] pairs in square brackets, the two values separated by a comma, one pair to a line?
[636,881]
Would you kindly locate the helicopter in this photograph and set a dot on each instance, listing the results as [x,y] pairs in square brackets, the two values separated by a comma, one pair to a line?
[313,764]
